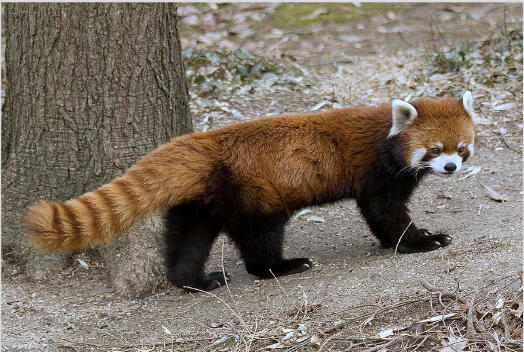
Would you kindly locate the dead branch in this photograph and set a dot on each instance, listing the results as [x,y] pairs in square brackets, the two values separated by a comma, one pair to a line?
[471,332]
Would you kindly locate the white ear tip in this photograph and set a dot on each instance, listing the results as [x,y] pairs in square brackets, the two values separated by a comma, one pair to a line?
[398,102]
[403,114]
[467,101]
[407,109]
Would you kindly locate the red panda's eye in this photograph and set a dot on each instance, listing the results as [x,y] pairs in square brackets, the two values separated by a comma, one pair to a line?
[461,150]
[435,151]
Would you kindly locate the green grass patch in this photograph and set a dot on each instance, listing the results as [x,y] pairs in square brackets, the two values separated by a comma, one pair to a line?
[226,74]
[300,15]
[494,61]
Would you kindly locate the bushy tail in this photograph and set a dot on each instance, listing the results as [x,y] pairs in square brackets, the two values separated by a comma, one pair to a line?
[102,215]
[92,219]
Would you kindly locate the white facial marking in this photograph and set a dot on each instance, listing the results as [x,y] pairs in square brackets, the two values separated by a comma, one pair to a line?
[471,149]
[439,145]
[446,164]
[416,159]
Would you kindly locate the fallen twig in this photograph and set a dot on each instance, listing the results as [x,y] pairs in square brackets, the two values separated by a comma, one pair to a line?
[367,315]
[442,292]
[507,143]
[470,334]
[127,346]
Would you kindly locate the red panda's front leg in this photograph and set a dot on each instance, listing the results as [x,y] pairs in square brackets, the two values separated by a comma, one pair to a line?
[390,223]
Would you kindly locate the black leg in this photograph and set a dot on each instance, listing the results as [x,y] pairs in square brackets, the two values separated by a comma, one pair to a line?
[189,235]
[389,221]
[260,242]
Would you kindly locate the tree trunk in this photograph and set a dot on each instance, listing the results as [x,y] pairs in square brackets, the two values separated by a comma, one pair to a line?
[90,88]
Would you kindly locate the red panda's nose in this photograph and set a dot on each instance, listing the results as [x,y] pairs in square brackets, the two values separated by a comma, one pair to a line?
[450,167]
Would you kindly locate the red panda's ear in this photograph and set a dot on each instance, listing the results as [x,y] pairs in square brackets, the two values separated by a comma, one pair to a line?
[403,115]
[467,100]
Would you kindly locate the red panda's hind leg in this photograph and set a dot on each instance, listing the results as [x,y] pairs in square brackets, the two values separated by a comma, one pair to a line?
[188,238]
[260,241]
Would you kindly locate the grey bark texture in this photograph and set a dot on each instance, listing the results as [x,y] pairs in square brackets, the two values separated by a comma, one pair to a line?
[90,88]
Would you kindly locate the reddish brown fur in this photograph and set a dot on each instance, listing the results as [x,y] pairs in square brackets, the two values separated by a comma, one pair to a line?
[445,120]
[285,163]
[159,180]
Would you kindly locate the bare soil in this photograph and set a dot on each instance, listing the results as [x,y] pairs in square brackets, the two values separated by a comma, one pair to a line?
[353,278]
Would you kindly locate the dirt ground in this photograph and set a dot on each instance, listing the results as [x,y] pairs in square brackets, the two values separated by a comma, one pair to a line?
[352,275]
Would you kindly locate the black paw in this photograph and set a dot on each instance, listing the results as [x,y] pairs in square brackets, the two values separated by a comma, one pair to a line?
[297,265]
[205,282]
[426,242]
[283,267]
[219,277]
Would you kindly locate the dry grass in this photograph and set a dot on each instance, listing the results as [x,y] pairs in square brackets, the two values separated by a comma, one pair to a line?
[487,319]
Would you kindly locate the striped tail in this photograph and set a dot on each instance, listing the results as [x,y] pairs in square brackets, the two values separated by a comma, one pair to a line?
[100,216]
[94,218]
[171,174]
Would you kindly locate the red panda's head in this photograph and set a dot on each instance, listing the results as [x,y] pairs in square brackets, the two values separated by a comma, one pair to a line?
[436,135]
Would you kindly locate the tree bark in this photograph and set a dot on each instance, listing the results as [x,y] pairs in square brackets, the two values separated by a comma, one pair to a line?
[90,88]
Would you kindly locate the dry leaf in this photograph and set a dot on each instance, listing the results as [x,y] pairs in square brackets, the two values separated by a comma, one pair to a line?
[274,346]
[319,105]
[439,318]
[494,195]
[81,262]
[305,211]
[385,333]
[166,330]
[315,14]
[303,338]
[224,340]
[454,344]
[315,341]
[315,218]
[470,171]
[417,328]
[506,106]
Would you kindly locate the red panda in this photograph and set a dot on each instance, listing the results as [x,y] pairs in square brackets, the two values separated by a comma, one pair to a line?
[247,180]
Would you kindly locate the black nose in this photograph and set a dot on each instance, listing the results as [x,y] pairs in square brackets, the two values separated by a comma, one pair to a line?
[450,167]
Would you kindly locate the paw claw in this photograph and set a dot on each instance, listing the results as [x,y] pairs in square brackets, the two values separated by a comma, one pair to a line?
[425,242]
